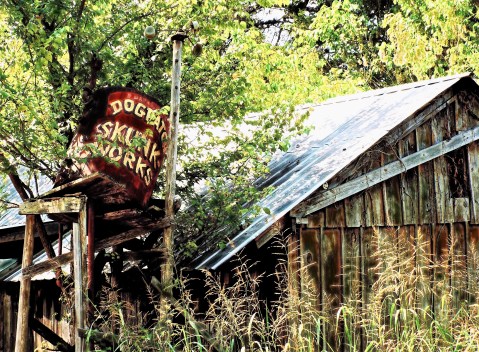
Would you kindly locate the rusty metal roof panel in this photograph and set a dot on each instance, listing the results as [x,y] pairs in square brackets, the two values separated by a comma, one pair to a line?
[343,128]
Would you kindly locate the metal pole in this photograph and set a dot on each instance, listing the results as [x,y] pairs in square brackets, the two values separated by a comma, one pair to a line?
[168,241]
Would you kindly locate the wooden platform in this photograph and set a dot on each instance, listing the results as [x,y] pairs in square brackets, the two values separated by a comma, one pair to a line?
[115,213]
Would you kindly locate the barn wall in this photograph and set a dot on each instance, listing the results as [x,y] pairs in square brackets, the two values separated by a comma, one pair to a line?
[47,309]
[420,229]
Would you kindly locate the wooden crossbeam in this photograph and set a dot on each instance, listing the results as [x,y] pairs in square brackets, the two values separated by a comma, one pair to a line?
[50,336]
[72,204]
[66,258]
[381,174]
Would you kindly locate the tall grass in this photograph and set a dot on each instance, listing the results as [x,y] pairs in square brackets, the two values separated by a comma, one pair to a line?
[416,303]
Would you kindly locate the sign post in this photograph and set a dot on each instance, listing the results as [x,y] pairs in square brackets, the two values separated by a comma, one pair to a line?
[168,240]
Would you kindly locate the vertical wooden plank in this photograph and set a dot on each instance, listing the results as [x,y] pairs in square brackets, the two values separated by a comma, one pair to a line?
[473,169]
[374,206]
[409,183]
[373,200]
[310,280]
[21,341]
[8,323]
[423,264]
[426,205]
[331,284]
[461,209]
[310,260]
[316,220]
[335,215]
[441,283]
[441,130]
[368,249]
[80,231]
[458,265]
[472,246]
[354,210]
[392,194]
[351,288]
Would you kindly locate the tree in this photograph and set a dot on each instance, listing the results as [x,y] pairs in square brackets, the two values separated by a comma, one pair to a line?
[53,49]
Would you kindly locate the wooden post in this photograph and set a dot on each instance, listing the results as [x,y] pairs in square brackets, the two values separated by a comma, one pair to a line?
[80,231]
[168,266]
[21,342]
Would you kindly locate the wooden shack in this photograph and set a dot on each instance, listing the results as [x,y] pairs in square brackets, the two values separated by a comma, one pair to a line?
[386,178]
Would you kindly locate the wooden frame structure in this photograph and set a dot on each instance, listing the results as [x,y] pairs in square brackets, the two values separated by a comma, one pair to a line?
[94,203]
[82,229]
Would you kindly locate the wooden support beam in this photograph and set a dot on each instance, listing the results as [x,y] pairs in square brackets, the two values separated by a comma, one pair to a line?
[21,340]
[66,258]
[50,336]
[52,205]
[142,255]
[381,174]
[18,233]
[50,264]
[80,231]
[128,235]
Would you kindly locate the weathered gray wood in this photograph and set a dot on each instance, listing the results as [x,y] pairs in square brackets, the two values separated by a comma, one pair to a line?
[21,341]
[274,230]
[426,203]
[128,235]
[473,263]
[331,285]
[441,130]
[351,286]
[458,265]
[310,266]
[354,210]
[391,191]
[50,336]
[66,258]
[80,277]
[374,205]
[461,209]
[352,187]
[18,234]
[473,169]
[423,264]
[441,279]
[168,239]
[423,116]
[335,215]
[316,220]
[409,183]
[50,264]
[52,205]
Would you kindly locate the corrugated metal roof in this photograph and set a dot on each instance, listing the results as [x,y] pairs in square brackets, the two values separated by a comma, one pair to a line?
[10,217]
[14,271]
[343,129]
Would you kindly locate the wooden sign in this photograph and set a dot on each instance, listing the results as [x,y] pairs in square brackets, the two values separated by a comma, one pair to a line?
[123,135]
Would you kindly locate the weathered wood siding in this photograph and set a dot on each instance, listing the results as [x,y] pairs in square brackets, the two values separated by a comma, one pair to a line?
[421,227]
[46,307]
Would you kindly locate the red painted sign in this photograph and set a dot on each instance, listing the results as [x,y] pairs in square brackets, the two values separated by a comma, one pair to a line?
[122,134]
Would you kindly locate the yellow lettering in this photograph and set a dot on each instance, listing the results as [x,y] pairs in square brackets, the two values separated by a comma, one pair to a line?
[155,157]
[140,110]
[105,128]
[148,177]
[129,160]
[115,156]
[140,166]
[116,106]
[129,105]
[118,131]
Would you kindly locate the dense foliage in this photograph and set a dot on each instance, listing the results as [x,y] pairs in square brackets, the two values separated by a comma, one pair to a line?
[267,55]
